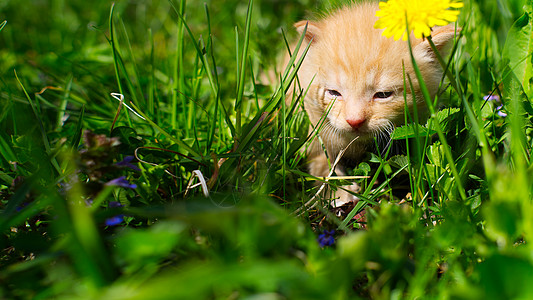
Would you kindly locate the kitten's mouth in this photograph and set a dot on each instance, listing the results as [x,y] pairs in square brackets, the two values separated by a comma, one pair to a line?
[360,133]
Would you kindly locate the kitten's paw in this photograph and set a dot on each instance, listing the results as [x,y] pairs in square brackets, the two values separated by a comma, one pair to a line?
[343,197]
[319,166]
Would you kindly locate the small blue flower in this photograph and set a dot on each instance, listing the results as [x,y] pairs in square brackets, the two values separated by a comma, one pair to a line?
[122,182]
[326,238]
[126,163]
[114,221]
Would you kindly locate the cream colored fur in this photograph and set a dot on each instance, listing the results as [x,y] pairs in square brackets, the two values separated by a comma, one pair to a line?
[349,57]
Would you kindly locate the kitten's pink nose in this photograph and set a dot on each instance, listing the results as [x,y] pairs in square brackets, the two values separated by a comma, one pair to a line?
[356,123]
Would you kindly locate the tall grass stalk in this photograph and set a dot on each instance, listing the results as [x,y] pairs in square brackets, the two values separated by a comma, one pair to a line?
[150,104]
[216,111]
[42,130]
[178,88]
[241,71]
[116,64]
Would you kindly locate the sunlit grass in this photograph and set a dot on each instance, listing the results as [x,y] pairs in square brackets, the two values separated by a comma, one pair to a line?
[93,190]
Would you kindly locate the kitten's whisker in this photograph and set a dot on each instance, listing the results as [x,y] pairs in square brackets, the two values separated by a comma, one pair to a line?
[387,133]
[383,137]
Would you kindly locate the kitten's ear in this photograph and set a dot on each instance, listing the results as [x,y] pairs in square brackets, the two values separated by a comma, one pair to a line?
[312,31]
[442,37]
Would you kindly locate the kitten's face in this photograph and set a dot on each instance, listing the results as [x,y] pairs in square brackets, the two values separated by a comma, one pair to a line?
[356,76]
[361,84]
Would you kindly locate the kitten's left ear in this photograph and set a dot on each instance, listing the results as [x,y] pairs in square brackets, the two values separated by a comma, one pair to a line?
[442,37]
[311,32]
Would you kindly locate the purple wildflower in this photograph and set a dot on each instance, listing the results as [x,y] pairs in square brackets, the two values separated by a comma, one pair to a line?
[115,220]
[122,182]
[126,163]
[500,112]
[114,204]
[326,238]
[491,97]
[20,207]
[64,187]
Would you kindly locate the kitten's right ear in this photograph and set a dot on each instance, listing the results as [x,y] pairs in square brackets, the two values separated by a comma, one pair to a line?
[442,37]
[312,30]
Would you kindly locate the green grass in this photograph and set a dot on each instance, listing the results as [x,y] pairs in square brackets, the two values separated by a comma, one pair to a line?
[449,211]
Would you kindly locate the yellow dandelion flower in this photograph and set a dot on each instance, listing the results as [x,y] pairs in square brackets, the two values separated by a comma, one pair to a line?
[421,16]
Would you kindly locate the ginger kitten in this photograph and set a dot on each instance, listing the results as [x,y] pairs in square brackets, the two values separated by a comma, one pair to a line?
[356,74]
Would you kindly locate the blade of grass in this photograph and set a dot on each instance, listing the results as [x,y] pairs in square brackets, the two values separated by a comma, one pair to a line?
[64,102]
[10,215]
[433,114]
[179,74]
[44,136]
[284,141]
[85,245]
[116,59]
[5,149]
[488,157]
[195,87]
[252,126]
[290,74]
[418,158]
[211,73]
[152,81]
[135,90]
[242,70]
[419,189]
[169,136]
[8,220]
[79,128]
[213,125]
[517,124]
[361,204]
[126,76]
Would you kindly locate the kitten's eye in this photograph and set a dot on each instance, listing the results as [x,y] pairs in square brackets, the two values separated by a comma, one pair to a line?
[333,93]
[382,95]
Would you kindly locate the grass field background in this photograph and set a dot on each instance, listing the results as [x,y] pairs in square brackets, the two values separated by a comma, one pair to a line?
[104,201]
